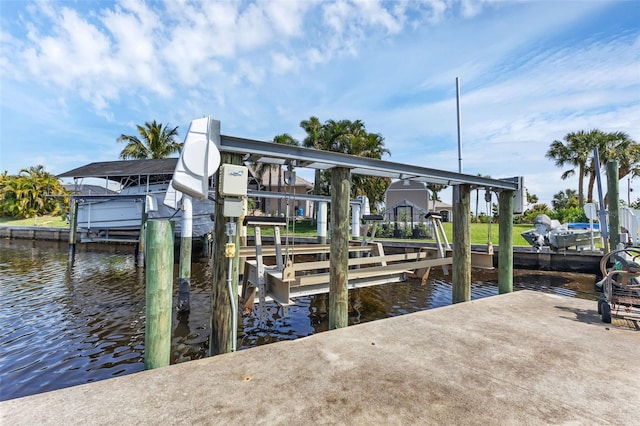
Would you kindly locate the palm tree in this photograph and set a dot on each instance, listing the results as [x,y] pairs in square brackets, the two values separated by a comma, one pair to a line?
[314,137]
[156,141]
[370,145]
[616,146]
[564,199]
[435,188]
[348,137]
[575,151]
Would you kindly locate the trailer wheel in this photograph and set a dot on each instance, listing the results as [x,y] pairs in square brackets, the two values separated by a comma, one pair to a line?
[600,306]
[606,312]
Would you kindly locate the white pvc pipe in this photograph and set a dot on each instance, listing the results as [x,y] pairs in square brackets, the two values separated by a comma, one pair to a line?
[186,228]
[322,220]
[355,221]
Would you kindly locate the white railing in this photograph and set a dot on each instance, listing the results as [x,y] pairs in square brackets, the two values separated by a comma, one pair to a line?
[630,220]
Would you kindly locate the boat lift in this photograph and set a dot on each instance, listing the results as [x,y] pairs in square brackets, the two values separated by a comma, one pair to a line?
[283,279]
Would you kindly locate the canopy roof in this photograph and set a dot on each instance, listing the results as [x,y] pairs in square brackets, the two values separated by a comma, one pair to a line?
[269,152]
[138,172]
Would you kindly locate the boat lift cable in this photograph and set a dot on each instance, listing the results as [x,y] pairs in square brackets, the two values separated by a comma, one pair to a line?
[289,181]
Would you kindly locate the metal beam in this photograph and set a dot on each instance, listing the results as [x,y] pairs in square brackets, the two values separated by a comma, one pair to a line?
[270,152]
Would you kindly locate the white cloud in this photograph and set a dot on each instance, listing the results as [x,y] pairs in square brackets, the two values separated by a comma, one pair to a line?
[262,66]
[286,17]
[283,64]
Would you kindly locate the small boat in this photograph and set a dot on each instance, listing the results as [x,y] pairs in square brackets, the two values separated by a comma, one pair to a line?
[552,233]
[141,185]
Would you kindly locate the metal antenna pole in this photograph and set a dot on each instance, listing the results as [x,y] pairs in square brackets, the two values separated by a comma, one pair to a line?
[459,133]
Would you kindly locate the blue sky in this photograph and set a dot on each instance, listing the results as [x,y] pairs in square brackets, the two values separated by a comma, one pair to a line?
[75,75]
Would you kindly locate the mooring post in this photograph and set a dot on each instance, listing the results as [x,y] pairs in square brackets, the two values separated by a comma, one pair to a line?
[73,225]
[158,294]
[221,313]
[339,259]
[141,239]
[613,197]
[461,275]
[505,242]
[186,244]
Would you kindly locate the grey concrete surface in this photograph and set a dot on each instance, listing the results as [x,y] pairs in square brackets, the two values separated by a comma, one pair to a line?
[523,358]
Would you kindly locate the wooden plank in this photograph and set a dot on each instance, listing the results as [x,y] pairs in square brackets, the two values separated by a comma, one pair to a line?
[380,260]
[249,251]
[375,271]
[481,260]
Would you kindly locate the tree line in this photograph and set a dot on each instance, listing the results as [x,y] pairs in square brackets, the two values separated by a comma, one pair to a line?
[575,152]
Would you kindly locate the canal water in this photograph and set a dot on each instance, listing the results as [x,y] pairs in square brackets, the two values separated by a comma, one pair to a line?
[60,328]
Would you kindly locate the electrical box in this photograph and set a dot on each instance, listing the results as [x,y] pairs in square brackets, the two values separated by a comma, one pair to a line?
[233,180]
[232,207]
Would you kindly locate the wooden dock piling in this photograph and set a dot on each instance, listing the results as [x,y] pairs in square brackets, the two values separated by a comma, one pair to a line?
[461,275]
[338,262]
[505,241]
[220,340]
[186,243]
[73,225]
[159,287]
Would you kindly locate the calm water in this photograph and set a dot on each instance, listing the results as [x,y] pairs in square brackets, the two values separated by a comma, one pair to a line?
[60,328]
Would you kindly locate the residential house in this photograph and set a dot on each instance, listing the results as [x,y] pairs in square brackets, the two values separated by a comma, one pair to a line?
[410,200]
[272,182]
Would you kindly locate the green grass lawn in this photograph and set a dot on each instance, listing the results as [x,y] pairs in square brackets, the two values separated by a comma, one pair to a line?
[304,228]
[52,221]
[479,232]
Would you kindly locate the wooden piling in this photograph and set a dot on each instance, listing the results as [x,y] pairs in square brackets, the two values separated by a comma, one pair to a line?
[221,317]
[505,242]
[339,260]
[159,287]
[186,243]
[73,226]
[461,275]
[613,195]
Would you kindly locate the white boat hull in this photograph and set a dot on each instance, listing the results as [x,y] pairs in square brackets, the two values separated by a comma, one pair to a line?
[124,213]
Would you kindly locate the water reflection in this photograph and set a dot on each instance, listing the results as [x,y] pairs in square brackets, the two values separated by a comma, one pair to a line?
[60,328]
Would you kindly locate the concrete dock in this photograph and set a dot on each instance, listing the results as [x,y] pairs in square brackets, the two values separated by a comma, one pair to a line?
[519,358]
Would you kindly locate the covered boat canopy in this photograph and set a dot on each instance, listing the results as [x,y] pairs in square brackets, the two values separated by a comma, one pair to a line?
[127,172]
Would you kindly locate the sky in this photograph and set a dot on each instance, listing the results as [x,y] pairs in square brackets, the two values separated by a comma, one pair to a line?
[75,75]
